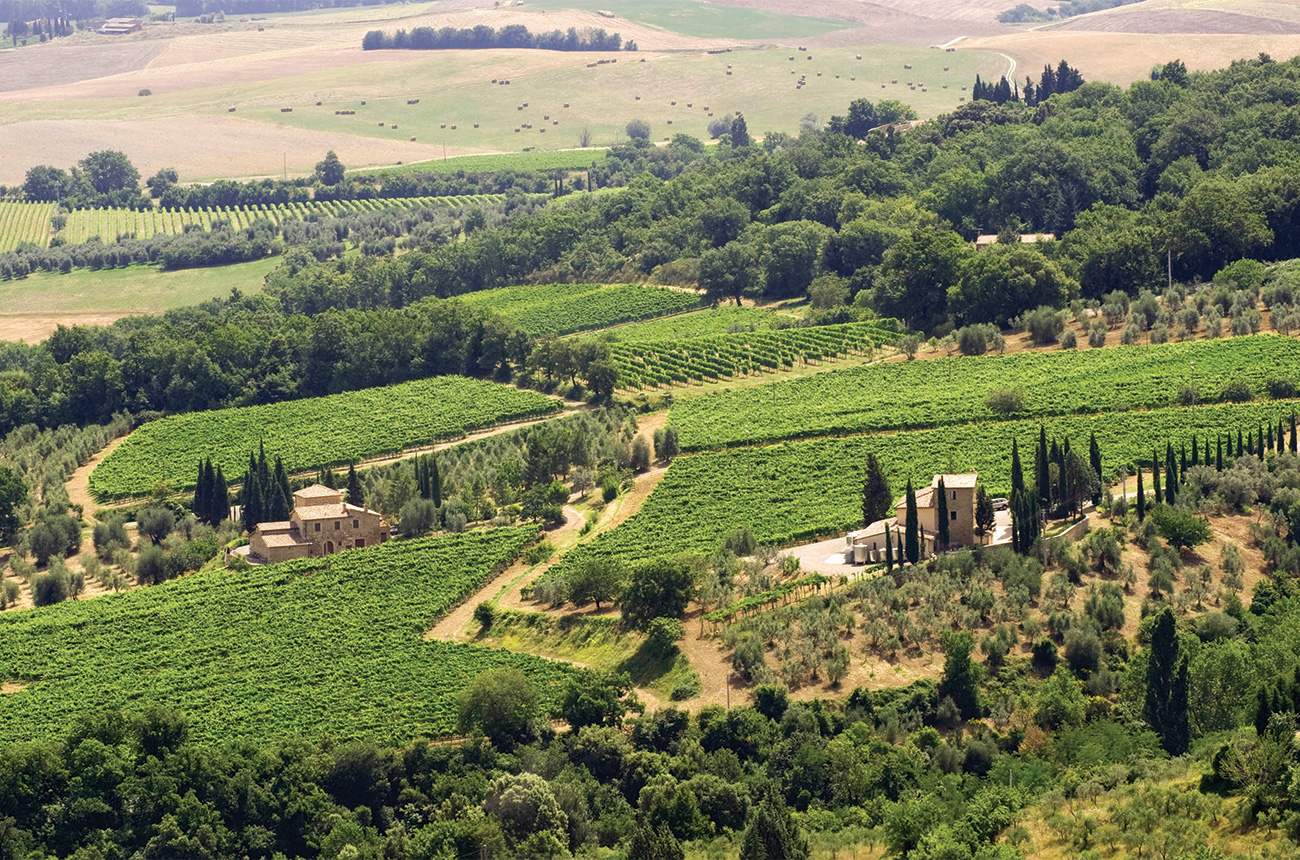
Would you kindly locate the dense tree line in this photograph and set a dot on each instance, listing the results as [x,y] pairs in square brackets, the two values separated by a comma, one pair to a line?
[102,180]
[195,8]
[483,37]
[1023,12]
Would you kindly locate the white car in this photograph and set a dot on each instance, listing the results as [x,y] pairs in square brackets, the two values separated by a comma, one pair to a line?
[1001,504]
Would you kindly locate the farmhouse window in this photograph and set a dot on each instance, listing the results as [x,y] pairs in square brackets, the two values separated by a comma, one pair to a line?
[954,495]
[954,516]
[337,525]
[317,526]
[356,524]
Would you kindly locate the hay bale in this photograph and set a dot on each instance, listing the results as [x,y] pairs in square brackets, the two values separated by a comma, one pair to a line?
[638,98]
[642,60]
[907,65]
[566,104]
[525,104]
[394,126]
[381,125]
[555,122]
[494,80]
[710,113]
[453,128]
[945,68]
[728,73]
[894,81]
[318,104]
[546,116]
[519,107]
[516,131]
[674,104]
[476,125]
[363,101]
[412,140]
[542,131]
[670,122]
[859,56]
[230,110]
[444,125]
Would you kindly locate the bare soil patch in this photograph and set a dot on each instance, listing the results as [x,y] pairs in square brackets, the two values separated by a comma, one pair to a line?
[78,485]
[208,145]
[77,58]
[12,687]
[34,328]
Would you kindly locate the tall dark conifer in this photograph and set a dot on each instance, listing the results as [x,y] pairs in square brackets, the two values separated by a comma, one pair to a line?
[889,550]
[201,493]
[219,500]
[1165,709]
[942,516]
[1196,451]
[1042,471]
[1294,448]
[1218,453]
[1241,451]
[1141,497]
[355,496]
[1155,476]
[435,481]
[1094,460]
[1171,475]
[877,499]
[912,526]
[1017,473]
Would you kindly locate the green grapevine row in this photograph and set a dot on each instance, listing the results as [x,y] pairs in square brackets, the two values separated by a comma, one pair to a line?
[311,433]
[724,356]
[24,222]
[914,394]
[307,649]
[763,598]
[568,308]
[108,224]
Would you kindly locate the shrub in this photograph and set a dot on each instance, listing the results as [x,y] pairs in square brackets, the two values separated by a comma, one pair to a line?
[908,345]
[1214,326]
[1130,335]
[1044,654]
[664,634]
[686,688]
[1159,334]
[1281,388]
[49,588]
[155,522]
[638,129]
[9,592]
[1068,339]
[145,92]
[971,340]
[485,614]
[609,488]
[640,454]
[1006,401]
[1237,391]
[539,553]
[417,517]
[110,534]
[1097,335]
[1044,325]
[740,542]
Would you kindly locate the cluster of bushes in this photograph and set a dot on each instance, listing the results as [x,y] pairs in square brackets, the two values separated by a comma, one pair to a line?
[483,37]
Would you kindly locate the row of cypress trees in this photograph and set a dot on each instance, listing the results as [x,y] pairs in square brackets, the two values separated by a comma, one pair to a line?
[265,495]
[211,494]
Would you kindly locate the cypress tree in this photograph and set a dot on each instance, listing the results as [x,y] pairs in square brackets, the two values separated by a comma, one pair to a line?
[1017,474]
[889,551]
[944,536]
[912,526]
[1042,474]
[1062,475]
[421,487]
[876,496]
[1218,453]
[1268,438]
[771,833]
[435,481]
[219,501]
[1280,436]
[201,495]
[1241,451]
[1171,475]
[282,481]
[1294,447]
[354,496]
[1094,460]
[1196,451]
[898,547]
[1142,497]
[1155,476]
[1182,463]
[1250,443]
[1165,708]
[250,497]
[279,510]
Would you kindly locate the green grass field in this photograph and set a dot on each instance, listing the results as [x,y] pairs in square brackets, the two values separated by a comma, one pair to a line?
[309,649]
[577,159]
[134,289]
[708,20]
[604,99]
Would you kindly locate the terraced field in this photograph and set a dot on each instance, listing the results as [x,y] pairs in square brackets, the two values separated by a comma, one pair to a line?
[905,395]
[308,649]
[654,364]
[798,490]
[568,308]
[308,434]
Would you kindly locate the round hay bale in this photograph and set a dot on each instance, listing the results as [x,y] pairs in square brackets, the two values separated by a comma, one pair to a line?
[546,116]
[453,128]
[907,65]
[444,125]
[381,125]
[542,130]
[476,125]
[859,56]
[230,110]
[363,101]
[945,68]
[318,104]
[670,122]
[566,104]
[412,140]
[674,104]
[728,73]
[494,80]
[516,131]
[638,98]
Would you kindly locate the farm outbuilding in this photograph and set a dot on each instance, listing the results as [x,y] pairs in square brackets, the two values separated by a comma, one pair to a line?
[868,545]
[321,524]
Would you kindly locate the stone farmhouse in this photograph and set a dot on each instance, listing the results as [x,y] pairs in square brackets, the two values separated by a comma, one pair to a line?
[321,524]
[868,545]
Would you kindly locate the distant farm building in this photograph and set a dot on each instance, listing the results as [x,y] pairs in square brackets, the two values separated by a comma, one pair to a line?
[868,545]
[120,26]
[984,241]
[321,524]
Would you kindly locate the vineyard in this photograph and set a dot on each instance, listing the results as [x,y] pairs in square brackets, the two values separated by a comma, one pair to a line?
[568,308]
[108,224]
[312,648]
[24,223]
[662,363]
[800,490]
[571,159]
[724,319]
[914,394]
[308,434]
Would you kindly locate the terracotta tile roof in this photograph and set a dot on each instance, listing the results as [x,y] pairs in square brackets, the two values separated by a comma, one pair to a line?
[268,528]
[964,481]
[322,512]
[279,540]
[317,491]
[924,499]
